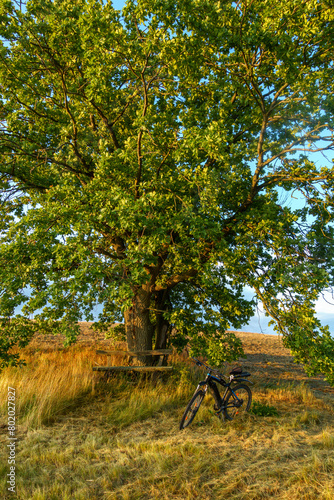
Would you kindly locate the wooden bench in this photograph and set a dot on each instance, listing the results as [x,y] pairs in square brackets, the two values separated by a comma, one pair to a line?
[163,353]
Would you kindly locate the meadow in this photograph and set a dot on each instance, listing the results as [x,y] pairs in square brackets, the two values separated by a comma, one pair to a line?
[118,439]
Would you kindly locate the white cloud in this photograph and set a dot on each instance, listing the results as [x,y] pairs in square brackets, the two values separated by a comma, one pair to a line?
[325,304]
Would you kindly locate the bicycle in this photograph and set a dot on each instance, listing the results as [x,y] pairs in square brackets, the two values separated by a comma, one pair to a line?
[236,400]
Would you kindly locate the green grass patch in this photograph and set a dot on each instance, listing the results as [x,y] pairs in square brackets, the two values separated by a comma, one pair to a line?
[263,410]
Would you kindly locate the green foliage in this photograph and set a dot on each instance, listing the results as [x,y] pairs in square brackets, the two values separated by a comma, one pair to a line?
[263,410]
[116,333]
[144,158]
[16,332]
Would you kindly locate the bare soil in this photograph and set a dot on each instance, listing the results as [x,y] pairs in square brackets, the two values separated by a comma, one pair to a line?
[267,356]
[87,337]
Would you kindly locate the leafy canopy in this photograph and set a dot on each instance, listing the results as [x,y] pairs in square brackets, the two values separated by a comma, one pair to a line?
[145,152]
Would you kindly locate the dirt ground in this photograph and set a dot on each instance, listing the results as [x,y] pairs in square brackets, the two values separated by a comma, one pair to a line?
[87,337]
[266,356]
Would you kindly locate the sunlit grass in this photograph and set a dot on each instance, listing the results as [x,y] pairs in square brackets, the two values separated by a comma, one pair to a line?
[49,385]
[121,439]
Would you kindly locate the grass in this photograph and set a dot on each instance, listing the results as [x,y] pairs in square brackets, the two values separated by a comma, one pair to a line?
[121,440]
[263,410]
[51,384]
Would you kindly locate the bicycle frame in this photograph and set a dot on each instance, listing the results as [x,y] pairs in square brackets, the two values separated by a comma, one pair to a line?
[234,398]
[211,380]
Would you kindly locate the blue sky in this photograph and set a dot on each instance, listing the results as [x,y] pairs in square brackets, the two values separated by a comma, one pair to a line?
[118,4]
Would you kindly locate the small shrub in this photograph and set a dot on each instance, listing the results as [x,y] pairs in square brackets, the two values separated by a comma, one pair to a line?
[263,410]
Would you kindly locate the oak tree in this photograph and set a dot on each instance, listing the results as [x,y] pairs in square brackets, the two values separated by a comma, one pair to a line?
[145,154]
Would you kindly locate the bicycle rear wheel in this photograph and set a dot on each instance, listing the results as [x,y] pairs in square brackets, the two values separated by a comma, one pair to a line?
[238,401]
[192,409]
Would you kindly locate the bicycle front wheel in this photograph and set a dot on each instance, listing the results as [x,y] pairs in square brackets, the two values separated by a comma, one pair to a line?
[238,401]
[192,409]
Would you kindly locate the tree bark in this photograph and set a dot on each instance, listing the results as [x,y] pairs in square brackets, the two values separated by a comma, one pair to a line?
[161,333]
[138,327]
[162,325]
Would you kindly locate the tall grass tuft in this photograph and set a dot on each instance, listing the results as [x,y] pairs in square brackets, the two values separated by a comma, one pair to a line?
[55,382]
[49,385]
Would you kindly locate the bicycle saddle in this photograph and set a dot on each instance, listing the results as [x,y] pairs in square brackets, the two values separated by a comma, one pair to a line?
[236,371]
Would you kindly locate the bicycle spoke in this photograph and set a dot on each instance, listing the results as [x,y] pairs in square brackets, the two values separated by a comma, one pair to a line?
[238,402]
[192,409]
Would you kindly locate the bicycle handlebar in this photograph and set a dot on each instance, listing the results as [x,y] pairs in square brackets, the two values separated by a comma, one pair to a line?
[198,362]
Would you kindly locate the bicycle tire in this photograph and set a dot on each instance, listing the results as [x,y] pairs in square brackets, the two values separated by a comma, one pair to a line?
[192,408]
[244,394]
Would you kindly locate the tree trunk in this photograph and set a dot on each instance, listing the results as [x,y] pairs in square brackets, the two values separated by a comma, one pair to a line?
[162,325]
[138,327]
[161,333]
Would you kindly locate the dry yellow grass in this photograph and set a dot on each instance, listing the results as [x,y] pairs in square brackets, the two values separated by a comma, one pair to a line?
[123,442]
